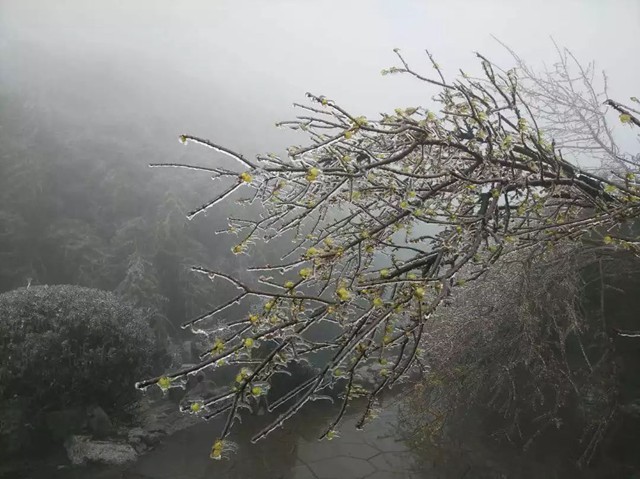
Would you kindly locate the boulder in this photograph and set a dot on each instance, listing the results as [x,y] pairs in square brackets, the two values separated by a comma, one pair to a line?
[152,438]
[66,422]
[84,450]
[99,422]
[136,434]
[136,437]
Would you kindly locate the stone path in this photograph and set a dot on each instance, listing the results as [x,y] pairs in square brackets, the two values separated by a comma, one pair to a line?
[370,454]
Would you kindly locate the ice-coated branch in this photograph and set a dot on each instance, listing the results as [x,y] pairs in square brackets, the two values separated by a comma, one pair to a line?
[384,218]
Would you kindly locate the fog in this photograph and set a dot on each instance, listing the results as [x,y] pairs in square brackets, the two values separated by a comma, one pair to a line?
[92,92]
[228,70]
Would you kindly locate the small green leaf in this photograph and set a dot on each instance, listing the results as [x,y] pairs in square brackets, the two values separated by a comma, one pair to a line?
[218,346]
[256,390]
[305,272]
[164,383]
[312,174]
[216,450]
[625,118]
[343,294]
[331,435]
[522,124]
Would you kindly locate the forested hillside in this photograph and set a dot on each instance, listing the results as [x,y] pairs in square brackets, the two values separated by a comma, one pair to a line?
[81,206]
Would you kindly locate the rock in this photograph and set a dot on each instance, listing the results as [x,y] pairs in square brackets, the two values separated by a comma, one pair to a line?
[83,450]
[66,422]
[152,438]
[99,422]
[139,445]
[142,439]
[136,434]
[135,437]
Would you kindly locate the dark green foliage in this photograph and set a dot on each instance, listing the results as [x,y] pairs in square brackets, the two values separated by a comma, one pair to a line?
[66,346]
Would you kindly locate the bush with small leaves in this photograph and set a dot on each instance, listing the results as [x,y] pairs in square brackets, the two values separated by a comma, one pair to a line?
[70,346]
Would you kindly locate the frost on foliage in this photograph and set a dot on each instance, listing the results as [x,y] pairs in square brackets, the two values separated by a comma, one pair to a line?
[384,218]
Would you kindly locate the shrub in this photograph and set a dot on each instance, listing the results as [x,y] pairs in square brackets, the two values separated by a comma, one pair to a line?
[67,346]
[530,351]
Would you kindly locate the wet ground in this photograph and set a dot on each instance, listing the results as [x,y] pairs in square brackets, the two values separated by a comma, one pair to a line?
[292,452]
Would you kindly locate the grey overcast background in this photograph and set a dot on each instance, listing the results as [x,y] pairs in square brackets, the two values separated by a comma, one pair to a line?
[148,70]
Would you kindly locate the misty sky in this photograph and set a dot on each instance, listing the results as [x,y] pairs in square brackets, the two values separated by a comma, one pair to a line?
[228,69]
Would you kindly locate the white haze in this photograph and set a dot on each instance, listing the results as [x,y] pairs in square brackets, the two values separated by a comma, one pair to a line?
[229,69]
